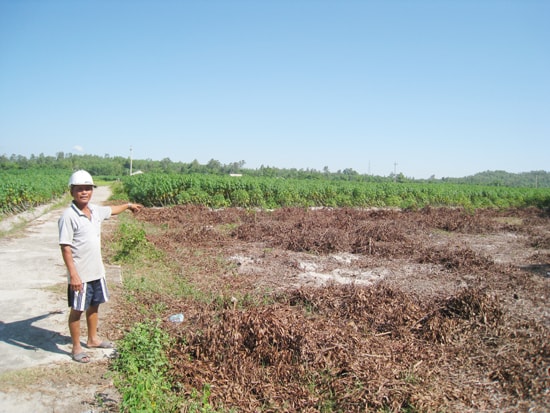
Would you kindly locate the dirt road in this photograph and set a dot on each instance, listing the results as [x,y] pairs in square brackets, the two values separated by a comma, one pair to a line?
[36,370]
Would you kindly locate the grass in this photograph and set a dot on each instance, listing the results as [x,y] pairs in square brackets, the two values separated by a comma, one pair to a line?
[147,270]
[198,402]
[141,369]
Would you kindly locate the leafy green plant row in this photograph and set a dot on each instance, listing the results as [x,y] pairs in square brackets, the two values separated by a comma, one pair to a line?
[260,192]
[27,188]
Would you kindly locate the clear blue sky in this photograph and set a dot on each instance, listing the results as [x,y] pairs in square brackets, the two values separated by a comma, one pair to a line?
[445,88]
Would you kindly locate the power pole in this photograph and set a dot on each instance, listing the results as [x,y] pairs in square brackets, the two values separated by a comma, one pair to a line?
[395,171]
[130,161]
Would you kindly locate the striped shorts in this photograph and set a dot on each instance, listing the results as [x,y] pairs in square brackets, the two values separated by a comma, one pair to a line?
[93,293]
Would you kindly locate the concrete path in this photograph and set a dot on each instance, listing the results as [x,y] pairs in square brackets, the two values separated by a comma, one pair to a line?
[33,306]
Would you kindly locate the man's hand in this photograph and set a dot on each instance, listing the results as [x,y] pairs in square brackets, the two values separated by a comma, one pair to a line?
[76,283]
[134,207]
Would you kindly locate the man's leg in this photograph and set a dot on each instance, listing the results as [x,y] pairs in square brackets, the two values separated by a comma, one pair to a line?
[74,329]
[92,320]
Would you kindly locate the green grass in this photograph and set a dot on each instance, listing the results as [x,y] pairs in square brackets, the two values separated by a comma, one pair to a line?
[141,370]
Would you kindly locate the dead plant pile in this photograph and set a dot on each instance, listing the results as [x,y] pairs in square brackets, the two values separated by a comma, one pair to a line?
[454,316]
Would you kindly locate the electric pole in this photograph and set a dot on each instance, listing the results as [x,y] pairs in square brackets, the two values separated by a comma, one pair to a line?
[130,161]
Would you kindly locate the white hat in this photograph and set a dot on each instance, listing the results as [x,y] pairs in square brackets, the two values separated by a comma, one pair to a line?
[81,178]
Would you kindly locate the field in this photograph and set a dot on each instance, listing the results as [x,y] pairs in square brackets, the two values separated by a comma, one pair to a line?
[21,190]
[262,192]
[352,310]
[343,297]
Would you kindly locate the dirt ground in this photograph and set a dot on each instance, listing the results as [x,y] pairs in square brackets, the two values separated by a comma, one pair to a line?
[362,310]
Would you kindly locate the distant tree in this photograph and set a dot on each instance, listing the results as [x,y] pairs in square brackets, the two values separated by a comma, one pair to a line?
[401,178]
[234,167]
[214,166]
[349,172]
[165,164]
[194,167]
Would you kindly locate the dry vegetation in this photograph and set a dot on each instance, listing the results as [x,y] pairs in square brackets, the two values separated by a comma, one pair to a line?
[361,310]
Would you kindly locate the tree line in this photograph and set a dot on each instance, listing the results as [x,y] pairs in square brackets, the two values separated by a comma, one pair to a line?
[118,166]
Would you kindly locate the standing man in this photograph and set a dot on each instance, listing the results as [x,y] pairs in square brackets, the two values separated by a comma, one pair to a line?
[80,241]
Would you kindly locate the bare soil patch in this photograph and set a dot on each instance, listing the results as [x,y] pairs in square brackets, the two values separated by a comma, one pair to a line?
[362,310]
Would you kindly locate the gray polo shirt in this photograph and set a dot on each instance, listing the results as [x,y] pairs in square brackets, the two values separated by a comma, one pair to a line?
[84,237]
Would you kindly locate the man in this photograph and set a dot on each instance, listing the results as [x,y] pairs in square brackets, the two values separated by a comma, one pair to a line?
[80,241]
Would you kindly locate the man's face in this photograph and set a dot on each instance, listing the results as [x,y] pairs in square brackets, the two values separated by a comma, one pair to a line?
[82,193]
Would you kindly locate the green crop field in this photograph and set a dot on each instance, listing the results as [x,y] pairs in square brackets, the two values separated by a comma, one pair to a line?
[28,188]
[254,192]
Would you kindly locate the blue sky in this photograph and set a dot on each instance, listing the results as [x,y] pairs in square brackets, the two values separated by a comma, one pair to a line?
[444,88]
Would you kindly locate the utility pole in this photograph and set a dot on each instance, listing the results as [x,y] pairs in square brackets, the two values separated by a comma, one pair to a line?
[130,161]
[395,172]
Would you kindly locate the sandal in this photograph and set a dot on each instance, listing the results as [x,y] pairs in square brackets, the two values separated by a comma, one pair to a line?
[81,358]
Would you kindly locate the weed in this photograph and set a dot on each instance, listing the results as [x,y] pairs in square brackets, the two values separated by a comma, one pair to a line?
[130,240]
[141,368]
[409,377]
[200,402]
